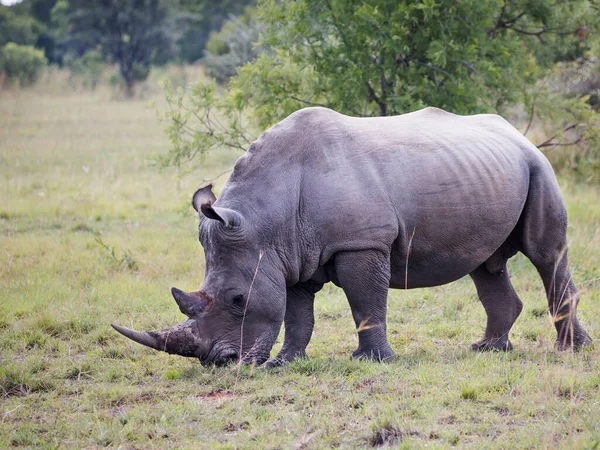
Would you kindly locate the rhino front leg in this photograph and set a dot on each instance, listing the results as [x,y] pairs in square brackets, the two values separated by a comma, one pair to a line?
[299,322]
[365,278]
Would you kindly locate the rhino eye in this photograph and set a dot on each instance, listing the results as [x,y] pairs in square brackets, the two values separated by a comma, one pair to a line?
[238,299]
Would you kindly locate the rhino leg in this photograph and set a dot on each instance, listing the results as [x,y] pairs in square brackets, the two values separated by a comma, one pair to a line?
[562,304]
[502,306]
[299,322]
[365,278]
[543,236]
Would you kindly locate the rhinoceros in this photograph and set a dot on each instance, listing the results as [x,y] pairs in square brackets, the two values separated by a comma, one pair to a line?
[411,201]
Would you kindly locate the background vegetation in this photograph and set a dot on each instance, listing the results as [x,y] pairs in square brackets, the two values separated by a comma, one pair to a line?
[92,232]
[133,34]
[386,57]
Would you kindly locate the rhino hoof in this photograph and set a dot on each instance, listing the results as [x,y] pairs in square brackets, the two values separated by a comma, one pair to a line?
[489,345]
[275,362]
[579,343]
[386,355]
[284,358]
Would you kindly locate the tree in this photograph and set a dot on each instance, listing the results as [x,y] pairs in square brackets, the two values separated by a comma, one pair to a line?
[133,33]
[48,36]
[202,18]
[41,11]
[20,28]
[383,57]
[232,46]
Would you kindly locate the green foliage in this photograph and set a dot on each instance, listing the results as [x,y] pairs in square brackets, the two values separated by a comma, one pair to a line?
[386,57]
[21,64]
[21,29]
[192,127]
[574,130]
[200,18]
[232,46]
[64,28]
[50,36]
[87,69]
[133,33]
[383,57]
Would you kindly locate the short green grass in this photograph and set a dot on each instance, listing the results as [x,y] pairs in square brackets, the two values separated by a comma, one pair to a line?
[90,233]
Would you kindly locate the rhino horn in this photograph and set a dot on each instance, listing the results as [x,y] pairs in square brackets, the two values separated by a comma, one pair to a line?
[141,338]
[190,304]
[179,339]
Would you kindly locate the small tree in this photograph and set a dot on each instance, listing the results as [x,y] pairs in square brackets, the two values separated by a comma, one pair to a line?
[21,63]
[130,32]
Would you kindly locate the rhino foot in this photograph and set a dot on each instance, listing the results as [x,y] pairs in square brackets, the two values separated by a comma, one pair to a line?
[494,344]
[580,340]
[283,358]
[275,362]
[382,355]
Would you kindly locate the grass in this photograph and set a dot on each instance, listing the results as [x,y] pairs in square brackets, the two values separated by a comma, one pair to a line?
[90,233]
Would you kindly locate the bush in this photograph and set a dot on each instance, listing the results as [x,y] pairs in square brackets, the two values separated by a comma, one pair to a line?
[88,69]
[232,46]
[18,27]
[21,63]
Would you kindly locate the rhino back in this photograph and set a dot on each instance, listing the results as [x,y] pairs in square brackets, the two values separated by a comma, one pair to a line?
[451,188]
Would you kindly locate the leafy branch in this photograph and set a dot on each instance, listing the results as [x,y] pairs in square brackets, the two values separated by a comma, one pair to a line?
[198,121]
[553,143]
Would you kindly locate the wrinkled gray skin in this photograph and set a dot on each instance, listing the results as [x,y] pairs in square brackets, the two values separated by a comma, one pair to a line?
[416,200]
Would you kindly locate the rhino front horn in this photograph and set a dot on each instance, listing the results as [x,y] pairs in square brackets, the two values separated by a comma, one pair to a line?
[141,338]
[177,340]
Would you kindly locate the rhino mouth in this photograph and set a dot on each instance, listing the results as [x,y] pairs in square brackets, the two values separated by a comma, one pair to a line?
[219,357]
[225,359]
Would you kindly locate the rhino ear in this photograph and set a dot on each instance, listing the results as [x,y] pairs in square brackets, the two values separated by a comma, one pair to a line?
[228,217]
[202,196]
[203,200]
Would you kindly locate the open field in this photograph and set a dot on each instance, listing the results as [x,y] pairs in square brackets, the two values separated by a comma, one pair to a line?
[90,233]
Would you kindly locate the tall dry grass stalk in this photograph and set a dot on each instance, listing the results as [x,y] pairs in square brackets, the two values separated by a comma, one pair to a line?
[260,255]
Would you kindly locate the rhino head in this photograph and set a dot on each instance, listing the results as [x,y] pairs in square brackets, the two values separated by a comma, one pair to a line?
[238,312]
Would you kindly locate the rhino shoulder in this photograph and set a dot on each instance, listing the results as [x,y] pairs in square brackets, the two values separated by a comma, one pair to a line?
[433,111]
[310,117]
[298,129]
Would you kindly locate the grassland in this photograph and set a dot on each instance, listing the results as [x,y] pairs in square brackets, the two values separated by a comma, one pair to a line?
[90,233]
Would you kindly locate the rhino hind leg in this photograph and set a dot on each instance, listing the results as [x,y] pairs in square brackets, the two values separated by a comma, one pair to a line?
[563,298]
[543,236]
[502,306]
[365,278]
[299,323]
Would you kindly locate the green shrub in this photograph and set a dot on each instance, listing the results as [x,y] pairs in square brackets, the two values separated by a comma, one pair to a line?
[232,46]
[87,69]
[21,63]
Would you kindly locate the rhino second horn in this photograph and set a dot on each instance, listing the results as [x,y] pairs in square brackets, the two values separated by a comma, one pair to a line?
[189,304]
